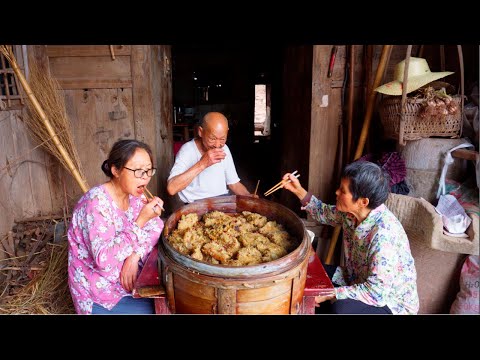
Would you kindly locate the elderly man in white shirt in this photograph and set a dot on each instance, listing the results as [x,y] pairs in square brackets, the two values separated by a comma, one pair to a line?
[204,166]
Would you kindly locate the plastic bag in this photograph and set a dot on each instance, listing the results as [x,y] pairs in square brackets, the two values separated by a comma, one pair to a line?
[467,301]
[455,219]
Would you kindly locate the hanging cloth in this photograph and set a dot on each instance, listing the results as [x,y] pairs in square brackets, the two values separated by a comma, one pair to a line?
[448,160]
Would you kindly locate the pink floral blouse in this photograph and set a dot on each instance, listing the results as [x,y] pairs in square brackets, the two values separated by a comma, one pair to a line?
[101,236]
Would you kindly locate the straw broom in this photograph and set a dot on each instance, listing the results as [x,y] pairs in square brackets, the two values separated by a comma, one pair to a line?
[47,121]
[47,118]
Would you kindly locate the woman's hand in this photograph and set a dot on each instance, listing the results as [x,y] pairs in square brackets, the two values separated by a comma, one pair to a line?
[128,275]
[150,210]
[294,185]
[321,298]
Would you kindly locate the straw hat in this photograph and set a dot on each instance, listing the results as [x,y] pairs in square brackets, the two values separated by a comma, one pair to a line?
[419,74]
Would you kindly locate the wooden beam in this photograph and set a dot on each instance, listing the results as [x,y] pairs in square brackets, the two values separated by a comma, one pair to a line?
[38,53]
[163,112]
[143,102]
[92,72]
[79,83]
[465,154]
[86,50]
[326,116]
[339,84]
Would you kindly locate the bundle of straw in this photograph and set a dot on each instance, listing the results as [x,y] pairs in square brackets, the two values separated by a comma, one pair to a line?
[46,293]
[47,118]
[48,123]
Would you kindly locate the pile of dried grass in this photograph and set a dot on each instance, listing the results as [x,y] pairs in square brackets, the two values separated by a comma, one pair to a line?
[34,273]
[47,292]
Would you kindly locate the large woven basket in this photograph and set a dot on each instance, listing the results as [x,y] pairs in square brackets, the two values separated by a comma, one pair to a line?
[416,127]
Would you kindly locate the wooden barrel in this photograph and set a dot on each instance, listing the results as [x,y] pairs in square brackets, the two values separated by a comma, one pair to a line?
[275,287]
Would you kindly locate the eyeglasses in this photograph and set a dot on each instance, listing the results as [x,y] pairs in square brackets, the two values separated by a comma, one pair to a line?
[140,173]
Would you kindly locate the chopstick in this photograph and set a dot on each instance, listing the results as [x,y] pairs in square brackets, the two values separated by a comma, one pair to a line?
[258,183]
[280,184]
[270,192]
[151,197]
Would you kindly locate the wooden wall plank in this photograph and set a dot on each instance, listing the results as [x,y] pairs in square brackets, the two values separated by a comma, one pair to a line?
[7,173]
[163,113]
[26,186]
[25,189]
[95,130]
[80,84]
[37,53]
[86,50]
[296,117]
[91,72]
[145,127]
[55,171]
[326,114]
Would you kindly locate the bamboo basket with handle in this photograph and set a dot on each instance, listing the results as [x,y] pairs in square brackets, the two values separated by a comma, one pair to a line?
[400,115]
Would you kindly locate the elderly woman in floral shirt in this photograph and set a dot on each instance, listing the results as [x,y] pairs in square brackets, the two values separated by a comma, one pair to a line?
[379,276]
[112,231]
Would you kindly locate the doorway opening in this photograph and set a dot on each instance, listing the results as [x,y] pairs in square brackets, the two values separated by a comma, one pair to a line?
[243,83]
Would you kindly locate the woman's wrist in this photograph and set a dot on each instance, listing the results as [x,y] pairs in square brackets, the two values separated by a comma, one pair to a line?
[136,256]
[306,198]
[301,193]
[140,222]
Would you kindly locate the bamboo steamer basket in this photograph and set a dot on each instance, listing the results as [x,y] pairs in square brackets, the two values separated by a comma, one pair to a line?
[196,287]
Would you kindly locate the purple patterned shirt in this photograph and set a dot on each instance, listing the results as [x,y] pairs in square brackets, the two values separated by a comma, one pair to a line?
[101,236]
[379,267]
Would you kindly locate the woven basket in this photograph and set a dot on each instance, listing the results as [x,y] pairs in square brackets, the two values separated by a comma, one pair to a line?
[416,127]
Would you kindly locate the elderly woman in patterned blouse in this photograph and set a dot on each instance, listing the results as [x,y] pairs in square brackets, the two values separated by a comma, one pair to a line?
[112,231]
[379,276]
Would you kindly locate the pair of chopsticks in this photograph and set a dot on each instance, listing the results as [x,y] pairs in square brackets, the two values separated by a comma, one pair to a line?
[280,184]
[150,197]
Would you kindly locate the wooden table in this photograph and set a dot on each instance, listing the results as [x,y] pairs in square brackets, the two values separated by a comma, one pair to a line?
[148,284]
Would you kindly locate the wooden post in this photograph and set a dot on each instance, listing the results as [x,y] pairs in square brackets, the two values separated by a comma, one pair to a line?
[363,135]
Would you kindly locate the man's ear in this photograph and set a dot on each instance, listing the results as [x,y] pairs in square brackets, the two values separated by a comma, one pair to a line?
[200,131]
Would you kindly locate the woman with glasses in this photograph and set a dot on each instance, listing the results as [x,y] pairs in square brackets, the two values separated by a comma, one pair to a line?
[113,229]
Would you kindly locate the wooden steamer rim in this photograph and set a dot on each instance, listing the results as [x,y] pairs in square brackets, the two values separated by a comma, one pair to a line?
[237,204]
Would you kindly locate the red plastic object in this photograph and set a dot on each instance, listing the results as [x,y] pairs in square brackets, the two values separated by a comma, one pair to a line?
[332,61]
